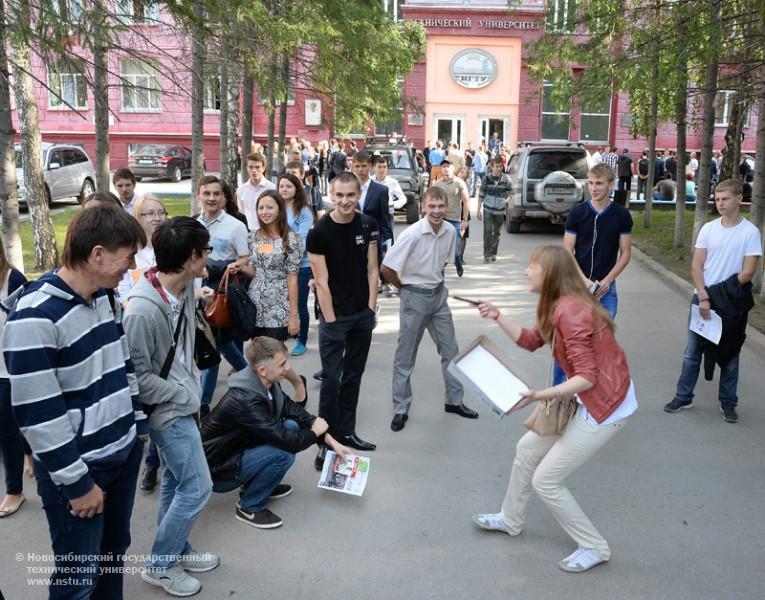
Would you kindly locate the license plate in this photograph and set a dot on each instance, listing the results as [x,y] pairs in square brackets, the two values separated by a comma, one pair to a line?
[563,191]
[146,162]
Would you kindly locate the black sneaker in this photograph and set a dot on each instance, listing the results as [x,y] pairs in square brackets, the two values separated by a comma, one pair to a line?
[729,413]
[460,270]
[263,519]
[149,480]
[677,405]
[280,491]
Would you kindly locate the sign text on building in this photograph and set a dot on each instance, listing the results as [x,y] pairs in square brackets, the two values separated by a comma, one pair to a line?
[483,24]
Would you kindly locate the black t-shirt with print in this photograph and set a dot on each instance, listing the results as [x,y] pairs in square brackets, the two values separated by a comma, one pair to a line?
[344,247]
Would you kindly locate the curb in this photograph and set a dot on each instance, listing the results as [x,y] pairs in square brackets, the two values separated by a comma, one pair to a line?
[754,339]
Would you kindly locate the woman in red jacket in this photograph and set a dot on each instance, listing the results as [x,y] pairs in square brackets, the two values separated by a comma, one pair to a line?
[570,318]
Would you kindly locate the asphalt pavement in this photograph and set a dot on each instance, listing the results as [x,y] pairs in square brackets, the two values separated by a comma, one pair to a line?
[679,497]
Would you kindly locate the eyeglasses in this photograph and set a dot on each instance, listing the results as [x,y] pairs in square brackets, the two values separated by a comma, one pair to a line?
[154,214]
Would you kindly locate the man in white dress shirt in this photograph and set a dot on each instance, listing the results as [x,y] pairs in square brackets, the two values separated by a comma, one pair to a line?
[248,193]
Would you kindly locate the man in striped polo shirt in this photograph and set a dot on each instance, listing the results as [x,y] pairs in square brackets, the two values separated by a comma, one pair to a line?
[75,397]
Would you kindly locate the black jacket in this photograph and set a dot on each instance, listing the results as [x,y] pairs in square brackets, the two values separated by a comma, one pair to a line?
[376,206]
[732,301]
[245,418]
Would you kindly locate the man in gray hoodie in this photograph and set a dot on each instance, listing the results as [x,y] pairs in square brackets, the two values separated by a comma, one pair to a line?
[160,327]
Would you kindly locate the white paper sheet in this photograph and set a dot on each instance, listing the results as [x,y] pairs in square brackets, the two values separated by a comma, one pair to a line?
[710,329]
[494,380]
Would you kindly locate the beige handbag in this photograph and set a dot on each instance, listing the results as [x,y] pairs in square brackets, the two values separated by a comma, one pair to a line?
[551,417]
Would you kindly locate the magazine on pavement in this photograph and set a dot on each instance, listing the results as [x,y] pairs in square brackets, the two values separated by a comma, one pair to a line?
[348,475]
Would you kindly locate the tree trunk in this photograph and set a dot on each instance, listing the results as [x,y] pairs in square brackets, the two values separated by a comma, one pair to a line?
[46,255]
[248,100]
[229,168]
[732,148]
[647,212]
[270,158]
[758,187]
[703,185]
[197,108]
[223,116]
[101,95]
[9,199]
[285,79]
[681,116]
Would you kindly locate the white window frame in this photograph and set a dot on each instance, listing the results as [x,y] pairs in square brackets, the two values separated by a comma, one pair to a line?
[125,12]
[74,9]
[210,95]
[727,103]
[62,71]
[543,112]
[131,81]
[595,114]
[561,15]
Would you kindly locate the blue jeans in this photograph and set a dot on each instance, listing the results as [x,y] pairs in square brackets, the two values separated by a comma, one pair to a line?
[12,444]
[457,242]
[304,276]
[105,536]
[690,373]
[609,301]
[474,181]
[186,487]
[233,354]
[262,469]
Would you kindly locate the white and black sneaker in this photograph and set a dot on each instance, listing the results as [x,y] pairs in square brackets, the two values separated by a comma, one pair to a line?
[729,414]
[677,405]
[280,491]
[173,579]
[263,519]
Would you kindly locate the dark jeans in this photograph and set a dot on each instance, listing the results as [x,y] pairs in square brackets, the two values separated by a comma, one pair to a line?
[492,225]
[152,457]
[304,276]
[641,187]
[457,243]
[105,536]
[625,183]
[343,347]
[262,469]
[12,444]
[232,352]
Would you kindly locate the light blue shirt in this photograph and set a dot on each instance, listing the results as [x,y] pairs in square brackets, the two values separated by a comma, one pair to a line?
[301,224]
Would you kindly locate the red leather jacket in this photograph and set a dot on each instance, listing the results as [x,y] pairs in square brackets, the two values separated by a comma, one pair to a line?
[583,349]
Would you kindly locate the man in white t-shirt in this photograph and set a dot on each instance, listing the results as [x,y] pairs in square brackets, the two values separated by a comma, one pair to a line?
[248,193]
[724,262]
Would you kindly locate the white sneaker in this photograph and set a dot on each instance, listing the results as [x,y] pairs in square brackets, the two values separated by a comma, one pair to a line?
[580,560]
[492,522]
[195,561]
[174,580]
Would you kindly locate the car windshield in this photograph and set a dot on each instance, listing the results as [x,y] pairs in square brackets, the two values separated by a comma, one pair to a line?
[397,159]
[543,163]
[152,149]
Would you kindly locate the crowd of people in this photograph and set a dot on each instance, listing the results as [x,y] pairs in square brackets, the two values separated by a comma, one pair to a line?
[102,355]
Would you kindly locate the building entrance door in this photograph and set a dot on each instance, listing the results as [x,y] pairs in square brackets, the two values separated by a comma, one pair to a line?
[487,126]
[450,129]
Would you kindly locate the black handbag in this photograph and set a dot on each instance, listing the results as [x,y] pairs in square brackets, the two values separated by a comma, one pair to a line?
[205,349]
[243,311]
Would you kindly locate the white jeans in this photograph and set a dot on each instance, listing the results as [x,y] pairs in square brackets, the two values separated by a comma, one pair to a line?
[544,463]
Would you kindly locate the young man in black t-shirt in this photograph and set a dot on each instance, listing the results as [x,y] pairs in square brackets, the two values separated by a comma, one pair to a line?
[342,248]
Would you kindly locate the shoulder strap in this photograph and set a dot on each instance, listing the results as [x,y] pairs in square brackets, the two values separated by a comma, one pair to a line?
[165,371]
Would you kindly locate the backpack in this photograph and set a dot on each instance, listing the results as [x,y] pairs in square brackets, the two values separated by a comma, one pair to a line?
[243,311]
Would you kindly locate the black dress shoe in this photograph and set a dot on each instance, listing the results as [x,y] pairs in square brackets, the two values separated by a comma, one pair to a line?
[319,375]
[461,410]
[319,460]
[149,480]
[398,422]
[460,271]
[354,441]
[305,385]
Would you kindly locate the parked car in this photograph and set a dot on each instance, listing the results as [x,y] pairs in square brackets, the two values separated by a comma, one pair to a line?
[548,181]
[67,173]
[403,168]
[161,160]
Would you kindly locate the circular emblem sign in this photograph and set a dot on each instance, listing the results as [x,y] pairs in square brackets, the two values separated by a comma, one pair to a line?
[473,68]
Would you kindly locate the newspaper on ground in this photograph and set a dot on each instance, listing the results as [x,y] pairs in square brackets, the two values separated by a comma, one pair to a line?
[484,369]
[348,475]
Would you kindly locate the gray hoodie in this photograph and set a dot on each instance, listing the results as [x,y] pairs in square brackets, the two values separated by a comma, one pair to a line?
[149,328]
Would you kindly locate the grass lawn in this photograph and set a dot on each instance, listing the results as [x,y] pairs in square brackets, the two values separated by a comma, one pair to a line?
[175,207]
[657,242]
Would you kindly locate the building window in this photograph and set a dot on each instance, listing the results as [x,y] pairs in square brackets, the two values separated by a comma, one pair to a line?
[724,102]
[137,11]
[69,11]
[561,15]
[595,120]
[393,9]
[555,120]
[212,93]
[141,91]
[290,97]
[67,85]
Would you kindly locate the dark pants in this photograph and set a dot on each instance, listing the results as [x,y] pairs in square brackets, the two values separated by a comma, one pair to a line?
[641,188]
[625,183]
[492,225]
[152,457]
[343,347]
[12,444]
[105,536]
[304,276]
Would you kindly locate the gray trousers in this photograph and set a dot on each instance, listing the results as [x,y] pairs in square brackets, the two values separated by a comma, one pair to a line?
[418,312]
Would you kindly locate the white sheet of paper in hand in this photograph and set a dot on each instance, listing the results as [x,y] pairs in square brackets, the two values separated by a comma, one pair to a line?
[710,329]
[493,378]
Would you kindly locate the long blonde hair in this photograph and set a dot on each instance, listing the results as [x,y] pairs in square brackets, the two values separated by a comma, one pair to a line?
[561,277]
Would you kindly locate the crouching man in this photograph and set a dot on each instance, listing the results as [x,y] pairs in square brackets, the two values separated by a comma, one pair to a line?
[252,435]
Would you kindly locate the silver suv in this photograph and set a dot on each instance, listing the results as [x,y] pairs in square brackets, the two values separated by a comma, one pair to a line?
[67,171]
[548,181]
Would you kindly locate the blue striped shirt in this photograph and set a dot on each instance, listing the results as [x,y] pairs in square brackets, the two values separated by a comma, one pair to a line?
[73,387]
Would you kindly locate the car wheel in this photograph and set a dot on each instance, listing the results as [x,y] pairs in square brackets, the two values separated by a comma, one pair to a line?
[48,198]
[87,190]
[412,212]
[177,174]
[138,178]
[513,226]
